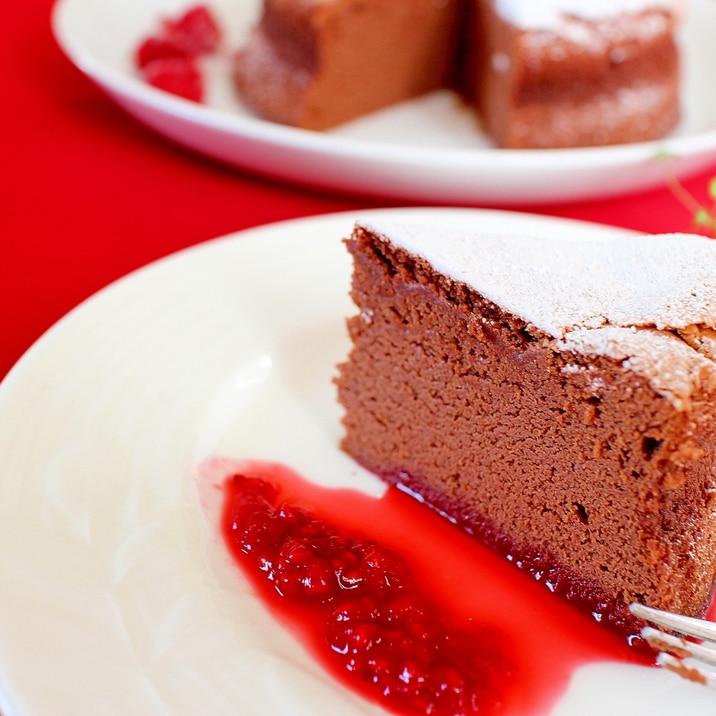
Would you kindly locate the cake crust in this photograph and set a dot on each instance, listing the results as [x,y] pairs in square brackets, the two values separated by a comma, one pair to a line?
[568,461]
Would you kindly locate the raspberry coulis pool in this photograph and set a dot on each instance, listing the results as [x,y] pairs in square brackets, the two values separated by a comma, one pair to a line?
[400,605]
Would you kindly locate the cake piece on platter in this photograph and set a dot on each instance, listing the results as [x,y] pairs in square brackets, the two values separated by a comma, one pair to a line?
[541,73]
[570,73]
[557,398]
[315,64]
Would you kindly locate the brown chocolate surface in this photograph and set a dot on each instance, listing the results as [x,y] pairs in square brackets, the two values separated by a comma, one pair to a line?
[571,464]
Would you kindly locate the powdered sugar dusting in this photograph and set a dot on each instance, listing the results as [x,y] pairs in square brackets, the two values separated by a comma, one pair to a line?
[551,14]
[598,35]
[670,365]
[647,301]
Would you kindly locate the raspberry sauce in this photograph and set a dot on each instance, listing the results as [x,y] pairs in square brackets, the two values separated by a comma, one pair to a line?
[400,605]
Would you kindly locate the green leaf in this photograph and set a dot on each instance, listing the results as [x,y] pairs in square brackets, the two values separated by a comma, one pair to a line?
[702,218]
[712,188]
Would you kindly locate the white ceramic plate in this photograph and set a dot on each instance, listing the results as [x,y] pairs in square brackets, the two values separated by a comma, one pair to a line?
[427,150]
[116,596]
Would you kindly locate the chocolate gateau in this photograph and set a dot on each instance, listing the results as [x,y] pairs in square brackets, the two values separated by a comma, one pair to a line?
[315,64]
[568,73]
[557,398]
[541,73]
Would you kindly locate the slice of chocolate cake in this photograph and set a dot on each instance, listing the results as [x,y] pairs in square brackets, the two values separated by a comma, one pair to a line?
[556,398]
[571,73]
[317,63]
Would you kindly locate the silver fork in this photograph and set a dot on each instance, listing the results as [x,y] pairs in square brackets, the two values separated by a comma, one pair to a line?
[694,660]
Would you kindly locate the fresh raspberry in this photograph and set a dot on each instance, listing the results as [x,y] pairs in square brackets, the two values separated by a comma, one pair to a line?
[167,58]
[196,30]
[156,48]
[178,75]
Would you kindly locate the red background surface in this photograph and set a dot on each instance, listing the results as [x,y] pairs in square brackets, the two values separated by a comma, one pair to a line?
[89,195]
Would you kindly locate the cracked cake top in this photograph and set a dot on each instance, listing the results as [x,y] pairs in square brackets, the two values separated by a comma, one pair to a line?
[646,301]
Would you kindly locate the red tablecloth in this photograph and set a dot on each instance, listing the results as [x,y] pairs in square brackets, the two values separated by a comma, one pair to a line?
[89,195]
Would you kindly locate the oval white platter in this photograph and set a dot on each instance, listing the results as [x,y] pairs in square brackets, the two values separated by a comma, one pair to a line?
[428,150]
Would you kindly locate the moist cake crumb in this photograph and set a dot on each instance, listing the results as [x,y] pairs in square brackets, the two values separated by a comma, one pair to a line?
[554,397]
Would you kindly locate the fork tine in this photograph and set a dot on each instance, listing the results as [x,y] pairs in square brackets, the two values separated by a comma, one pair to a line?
[691,669]
[690,660]
[688,626]
[679,647]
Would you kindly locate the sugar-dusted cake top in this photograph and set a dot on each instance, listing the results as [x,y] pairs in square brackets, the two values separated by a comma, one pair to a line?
[548,14]
[649,301]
